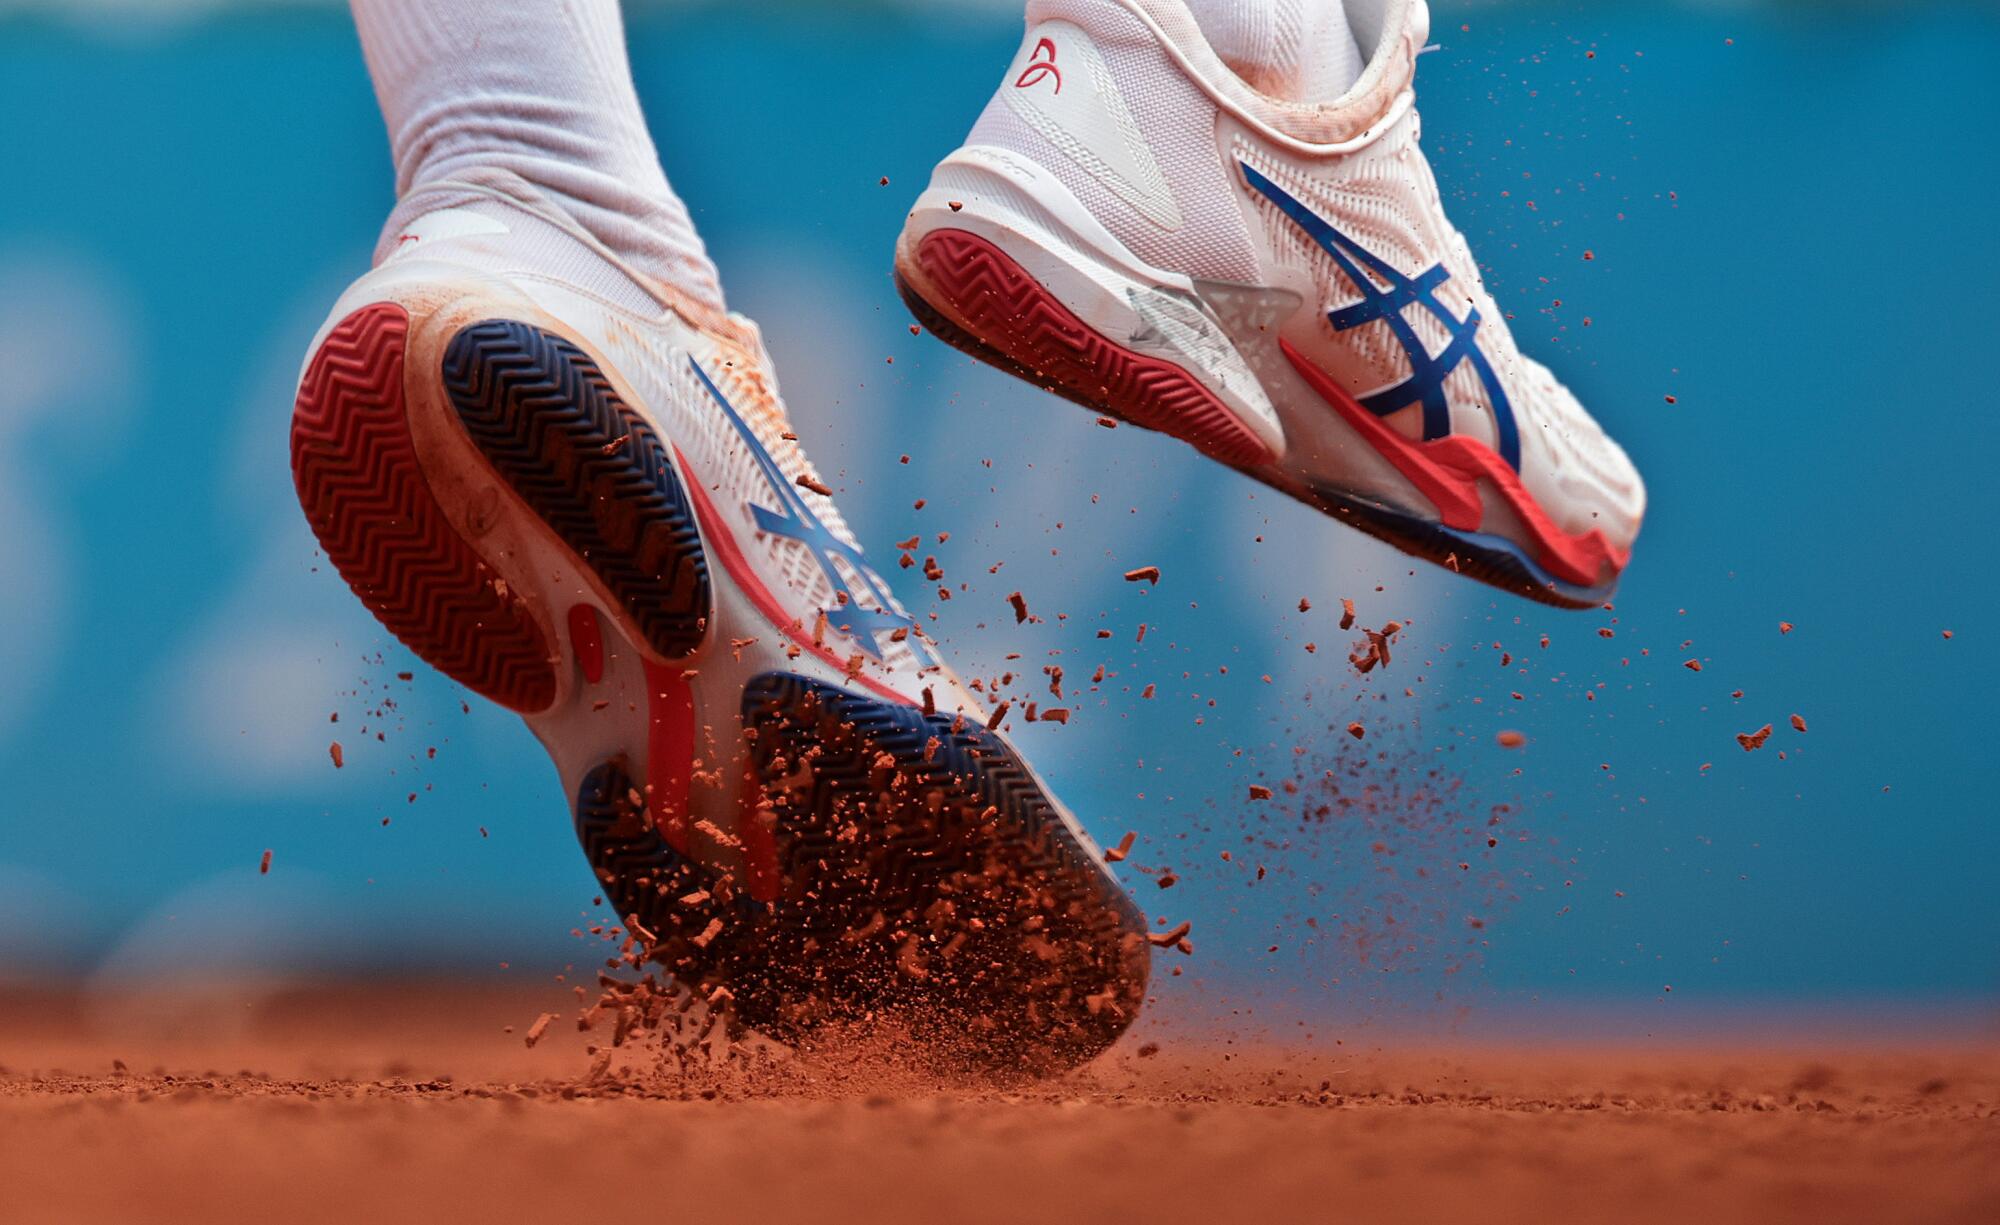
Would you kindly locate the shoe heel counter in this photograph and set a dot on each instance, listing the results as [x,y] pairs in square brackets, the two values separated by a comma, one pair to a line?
[1061,103]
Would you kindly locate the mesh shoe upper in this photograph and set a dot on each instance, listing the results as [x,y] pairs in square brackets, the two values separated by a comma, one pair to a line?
[708,382]
[1354,200]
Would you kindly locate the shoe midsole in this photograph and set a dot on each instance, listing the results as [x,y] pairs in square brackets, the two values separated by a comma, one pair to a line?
[1029,214]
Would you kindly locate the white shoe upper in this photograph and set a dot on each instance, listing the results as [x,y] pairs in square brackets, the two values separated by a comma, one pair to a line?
[785,562]
[1120,141]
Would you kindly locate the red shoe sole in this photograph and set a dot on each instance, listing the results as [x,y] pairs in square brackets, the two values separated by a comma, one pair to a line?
[989,306]
[979,300]
[354,462]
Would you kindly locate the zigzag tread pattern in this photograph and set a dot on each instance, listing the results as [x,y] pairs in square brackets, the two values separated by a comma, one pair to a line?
[886,816]
[1015,319]
[934,883]
[355,466]
[549,422]
[644,877]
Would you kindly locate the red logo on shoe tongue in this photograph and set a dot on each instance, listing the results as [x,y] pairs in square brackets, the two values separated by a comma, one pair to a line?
[1041,69]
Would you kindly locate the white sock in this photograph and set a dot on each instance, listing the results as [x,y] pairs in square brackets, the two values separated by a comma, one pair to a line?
[1298,50]
[542,88]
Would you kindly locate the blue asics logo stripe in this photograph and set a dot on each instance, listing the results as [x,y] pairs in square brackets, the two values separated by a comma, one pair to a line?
[796,521]
[1369,273]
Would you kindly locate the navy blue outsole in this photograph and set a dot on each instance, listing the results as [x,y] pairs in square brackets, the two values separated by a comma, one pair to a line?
[548,421]
[923,876]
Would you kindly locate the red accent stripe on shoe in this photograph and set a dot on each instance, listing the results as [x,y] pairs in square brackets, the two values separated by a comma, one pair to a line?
[355,465]
[1006,308]
[1448,472]
[758,828]
[669,751]
[586,639]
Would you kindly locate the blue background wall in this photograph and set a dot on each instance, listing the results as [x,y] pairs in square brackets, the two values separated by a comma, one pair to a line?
[1792,235]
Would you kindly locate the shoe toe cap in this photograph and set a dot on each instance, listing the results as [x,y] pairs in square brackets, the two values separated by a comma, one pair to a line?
[1579,474]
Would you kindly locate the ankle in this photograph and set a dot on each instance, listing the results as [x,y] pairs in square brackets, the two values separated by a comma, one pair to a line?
[1295,50]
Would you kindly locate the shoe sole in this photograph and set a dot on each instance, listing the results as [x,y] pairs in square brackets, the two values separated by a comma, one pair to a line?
[926,879]
[894,863]
[354,462]
[1014,323]
[1022,328]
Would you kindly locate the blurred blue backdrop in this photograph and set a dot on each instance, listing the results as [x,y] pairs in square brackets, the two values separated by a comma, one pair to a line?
[1790,210]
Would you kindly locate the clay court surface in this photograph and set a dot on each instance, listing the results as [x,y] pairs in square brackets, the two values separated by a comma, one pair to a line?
[416,1105]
